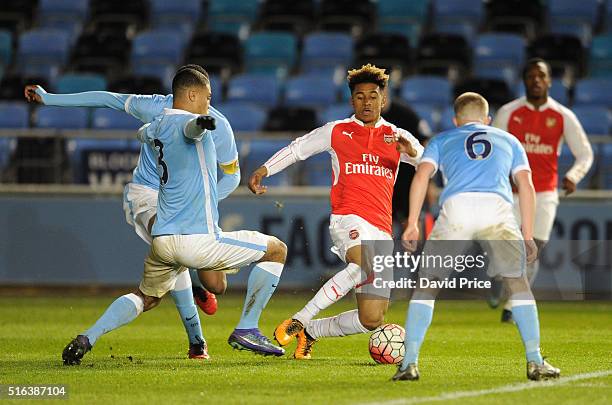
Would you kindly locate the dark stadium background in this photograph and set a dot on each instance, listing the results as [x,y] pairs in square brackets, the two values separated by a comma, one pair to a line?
[277,70]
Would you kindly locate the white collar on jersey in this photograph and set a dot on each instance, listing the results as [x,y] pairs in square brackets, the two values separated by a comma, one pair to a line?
[543,107]
[381,121]
[172,111]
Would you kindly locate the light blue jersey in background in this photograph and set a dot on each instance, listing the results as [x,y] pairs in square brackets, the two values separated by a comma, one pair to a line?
[476,158]
[145,108]
[187,170]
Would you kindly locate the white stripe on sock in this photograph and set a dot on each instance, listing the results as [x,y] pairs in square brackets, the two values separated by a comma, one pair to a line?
[138,302]
[273,268]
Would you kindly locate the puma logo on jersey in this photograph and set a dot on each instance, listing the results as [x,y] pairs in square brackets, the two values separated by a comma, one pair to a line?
[518,119]
[349,134]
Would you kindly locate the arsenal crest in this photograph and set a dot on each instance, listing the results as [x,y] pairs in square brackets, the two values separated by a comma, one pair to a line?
[354,234]
[389,138]
[550,122]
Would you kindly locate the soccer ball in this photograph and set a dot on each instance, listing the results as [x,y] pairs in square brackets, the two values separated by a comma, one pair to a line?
[387,344]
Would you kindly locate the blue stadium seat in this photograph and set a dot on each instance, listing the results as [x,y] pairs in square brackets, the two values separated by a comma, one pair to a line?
[595,120]
[446,119]
[566,160]
[106,118]
[600,60]
[402,11]
[6,47]
[585,11]
[61,117]
[310,91]
[216,88]
[499,49]
[165,13]
[160,47]
[233,11]
[244,116]
[506,73]
[79,82]
[605,166]
[71,28]
[458,10]
[580,30]
[426,89]
[248,88]
[428,113]
[14,115]
[65,10]
[43,47]
[317,170]
[7,147]
[163,72]
[255,152]
[326,49]
[412,32]
[461,28]
[335,112]
[270,52]
[47,72]
[593,92]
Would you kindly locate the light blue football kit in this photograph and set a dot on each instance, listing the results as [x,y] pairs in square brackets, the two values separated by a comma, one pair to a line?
[476,162]
[140,196]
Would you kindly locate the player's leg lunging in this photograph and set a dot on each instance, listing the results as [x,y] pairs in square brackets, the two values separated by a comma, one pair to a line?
[261,285]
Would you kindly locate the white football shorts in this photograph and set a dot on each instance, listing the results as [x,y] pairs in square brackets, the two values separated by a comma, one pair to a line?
[546,211]
[170,254]
[481,217]
[140,205]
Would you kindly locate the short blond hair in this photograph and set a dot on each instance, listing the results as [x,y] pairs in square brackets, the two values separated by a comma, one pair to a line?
[471,105]
[367,74]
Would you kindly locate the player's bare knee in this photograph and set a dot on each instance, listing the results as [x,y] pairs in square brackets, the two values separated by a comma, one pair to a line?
[219,287]
[371,321]
[150,302]
[277,251]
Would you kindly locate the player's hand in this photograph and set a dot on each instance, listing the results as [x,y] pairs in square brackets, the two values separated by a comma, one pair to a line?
[410,237]
[255,181]
[206,122]
[30,94]
[569,186]
[531,250]
[403,145]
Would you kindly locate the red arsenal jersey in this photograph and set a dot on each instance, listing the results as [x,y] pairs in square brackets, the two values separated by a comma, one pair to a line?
[542,132]
[364,165]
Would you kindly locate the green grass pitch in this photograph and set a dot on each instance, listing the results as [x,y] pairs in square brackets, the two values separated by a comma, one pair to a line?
[466,350]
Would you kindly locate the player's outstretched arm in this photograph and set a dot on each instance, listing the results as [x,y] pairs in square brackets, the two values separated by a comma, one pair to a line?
[418,190]
[36,94]
[199,126]
[527,201]
[230,179]
[255,181]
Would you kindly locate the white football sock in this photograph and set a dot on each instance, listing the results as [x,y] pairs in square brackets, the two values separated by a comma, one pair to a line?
[347,323]
[332,291]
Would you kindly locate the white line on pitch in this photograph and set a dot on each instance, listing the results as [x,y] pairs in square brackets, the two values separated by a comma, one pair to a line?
[501,389]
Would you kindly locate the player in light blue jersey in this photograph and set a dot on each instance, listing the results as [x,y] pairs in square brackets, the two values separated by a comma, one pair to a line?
[140,195]
[476,161]
[186,231]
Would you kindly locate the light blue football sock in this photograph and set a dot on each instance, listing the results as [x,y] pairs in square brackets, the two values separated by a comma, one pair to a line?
[123,310]
[526,318]
[420,313]
[195,279]
[260,287]
[189,314]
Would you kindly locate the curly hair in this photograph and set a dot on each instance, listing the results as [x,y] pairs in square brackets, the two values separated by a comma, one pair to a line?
[367,74]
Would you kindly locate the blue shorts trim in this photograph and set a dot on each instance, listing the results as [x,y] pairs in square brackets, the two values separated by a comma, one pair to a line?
[234,242]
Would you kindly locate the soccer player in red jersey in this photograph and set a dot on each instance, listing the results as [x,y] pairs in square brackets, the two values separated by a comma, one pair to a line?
[542,124]
[365,155]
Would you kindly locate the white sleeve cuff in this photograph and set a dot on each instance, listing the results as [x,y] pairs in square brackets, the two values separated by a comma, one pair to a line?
[430,160]
[520,168]
[126,106]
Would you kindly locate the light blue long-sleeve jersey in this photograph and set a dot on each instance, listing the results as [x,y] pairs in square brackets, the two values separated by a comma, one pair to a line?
[145,108]
[476,158]
[187,169]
